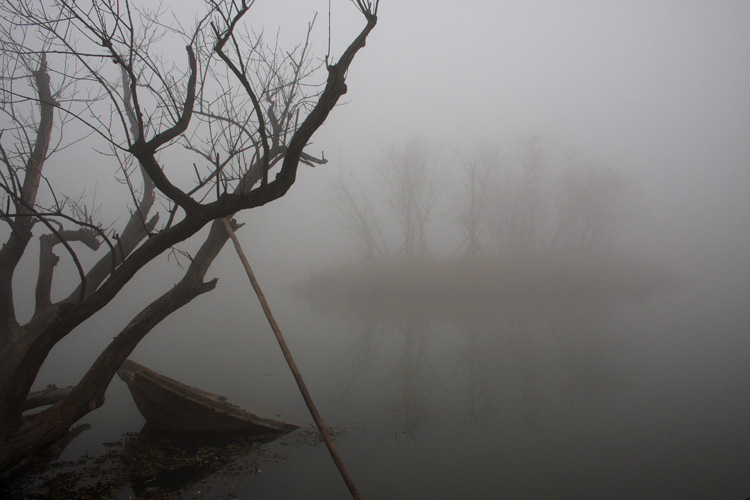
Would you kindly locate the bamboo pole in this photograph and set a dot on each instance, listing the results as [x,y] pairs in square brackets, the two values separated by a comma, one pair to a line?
[292,365]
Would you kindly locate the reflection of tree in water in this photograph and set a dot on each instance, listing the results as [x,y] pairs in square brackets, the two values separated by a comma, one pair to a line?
[500,358]
[413,373]
[394,340]
[503,363]
[471,360]
[525,360]
[359,359]
[587,365]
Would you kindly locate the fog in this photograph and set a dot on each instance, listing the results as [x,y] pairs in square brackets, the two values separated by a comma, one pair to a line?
[655,91]
[609,394]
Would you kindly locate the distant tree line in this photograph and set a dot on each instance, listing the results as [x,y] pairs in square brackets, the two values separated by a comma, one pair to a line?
[514,206]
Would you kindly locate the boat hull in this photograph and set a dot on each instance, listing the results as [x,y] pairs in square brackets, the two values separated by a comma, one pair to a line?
[171,406]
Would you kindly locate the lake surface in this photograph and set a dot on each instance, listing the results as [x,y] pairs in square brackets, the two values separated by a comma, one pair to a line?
[646,398]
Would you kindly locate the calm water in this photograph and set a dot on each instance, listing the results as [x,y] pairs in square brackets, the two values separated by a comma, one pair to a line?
[639,399]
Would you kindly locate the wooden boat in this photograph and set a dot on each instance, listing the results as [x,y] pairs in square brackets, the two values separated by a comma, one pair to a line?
[171,406]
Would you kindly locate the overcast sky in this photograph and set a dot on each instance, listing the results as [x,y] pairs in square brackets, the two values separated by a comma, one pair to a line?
[659,90]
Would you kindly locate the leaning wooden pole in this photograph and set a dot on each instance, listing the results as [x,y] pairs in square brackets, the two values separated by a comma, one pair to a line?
[292,365]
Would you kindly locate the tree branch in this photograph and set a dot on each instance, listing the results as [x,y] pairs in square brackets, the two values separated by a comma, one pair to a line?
[242,77]
[12,251]
[49,396]
[145,151]
[48,260]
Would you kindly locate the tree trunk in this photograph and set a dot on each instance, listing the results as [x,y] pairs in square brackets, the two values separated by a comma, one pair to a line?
[23,349]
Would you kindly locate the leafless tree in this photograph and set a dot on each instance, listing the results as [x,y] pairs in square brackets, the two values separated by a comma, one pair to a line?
[527,210]
[591,201]
[238,104]
[359,218]
[413,191]
[517,199]
[517,215]
[472,204]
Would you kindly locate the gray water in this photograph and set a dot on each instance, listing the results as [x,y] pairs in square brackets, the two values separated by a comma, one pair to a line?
[645,398]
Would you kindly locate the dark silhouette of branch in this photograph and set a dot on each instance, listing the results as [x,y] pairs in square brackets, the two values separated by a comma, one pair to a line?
[156,111]
[240,73]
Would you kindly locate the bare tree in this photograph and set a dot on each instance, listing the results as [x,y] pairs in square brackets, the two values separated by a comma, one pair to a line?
[591,202]
[471,203]
[359,218]
[413,191]
[517,202]
[239,105]
[527,214]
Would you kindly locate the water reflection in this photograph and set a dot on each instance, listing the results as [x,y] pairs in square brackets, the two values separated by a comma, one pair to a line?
[481,359]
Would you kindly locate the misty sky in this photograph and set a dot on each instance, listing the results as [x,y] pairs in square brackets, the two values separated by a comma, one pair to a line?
[655,89]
